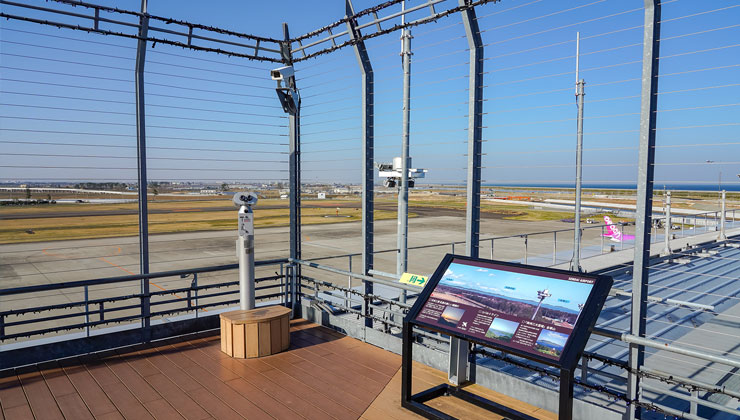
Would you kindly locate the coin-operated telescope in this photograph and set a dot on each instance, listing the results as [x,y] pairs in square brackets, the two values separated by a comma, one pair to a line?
[245,247]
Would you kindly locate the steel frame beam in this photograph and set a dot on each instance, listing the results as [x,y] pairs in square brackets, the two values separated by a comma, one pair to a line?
[457,371]
[294,161]
[368,153]
[643,217]
[475,130]
[141,169]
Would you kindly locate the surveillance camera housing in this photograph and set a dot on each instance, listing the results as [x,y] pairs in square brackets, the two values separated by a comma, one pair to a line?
[282,73]
[245,198]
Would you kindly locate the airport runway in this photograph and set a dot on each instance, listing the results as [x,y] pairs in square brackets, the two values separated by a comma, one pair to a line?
[64,261]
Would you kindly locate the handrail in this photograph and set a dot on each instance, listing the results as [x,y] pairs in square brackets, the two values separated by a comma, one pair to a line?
[355,275]
[119,279]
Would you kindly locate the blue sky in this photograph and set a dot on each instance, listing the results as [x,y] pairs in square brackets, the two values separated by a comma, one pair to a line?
[564,293]
[217,118]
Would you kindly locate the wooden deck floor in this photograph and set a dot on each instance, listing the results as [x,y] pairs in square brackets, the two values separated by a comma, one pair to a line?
[324,375]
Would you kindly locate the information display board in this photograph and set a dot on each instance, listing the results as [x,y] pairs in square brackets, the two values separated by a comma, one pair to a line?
[529,311]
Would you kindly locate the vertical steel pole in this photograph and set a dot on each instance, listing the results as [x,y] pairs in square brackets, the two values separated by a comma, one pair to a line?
[403,193]
[643,219]
[141,164]
[245,249]
[667,227]
[368,153]
[294,161]
[723,218]
[475,130]
[459,349]
[575,262]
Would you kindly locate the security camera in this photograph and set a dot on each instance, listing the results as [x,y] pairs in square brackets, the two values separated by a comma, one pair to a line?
[282,73]
[245,198]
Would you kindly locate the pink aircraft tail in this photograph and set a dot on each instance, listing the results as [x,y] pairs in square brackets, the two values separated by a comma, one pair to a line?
[614,233]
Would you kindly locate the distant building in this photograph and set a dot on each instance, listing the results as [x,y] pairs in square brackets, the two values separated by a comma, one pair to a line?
[321,196]
[283,196]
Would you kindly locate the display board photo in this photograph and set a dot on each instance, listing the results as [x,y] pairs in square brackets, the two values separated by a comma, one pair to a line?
[533,311]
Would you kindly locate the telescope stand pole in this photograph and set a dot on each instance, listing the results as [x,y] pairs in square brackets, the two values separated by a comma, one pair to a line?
[245,251]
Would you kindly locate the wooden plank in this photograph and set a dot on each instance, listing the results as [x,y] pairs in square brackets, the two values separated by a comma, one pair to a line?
[89,390]
[229,339]
[252,332]
[11,392]
[135,383]
[208,379]
[19,412]
[174,372]
[125,402]
[223,336]
[273,407]
[263,382]
[340,370]
[99,370]
[264,338]
[73,407]
[161,409]
[213,405]
[139,361]
[285,332]
[56,379]
[255,315]
[239,341]
[176,396]
[316,398]
[39,397]
[113,415]
[276,336]
[331,389]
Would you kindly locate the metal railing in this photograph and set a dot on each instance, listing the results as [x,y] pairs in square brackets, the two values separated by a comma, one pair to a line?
[117,307]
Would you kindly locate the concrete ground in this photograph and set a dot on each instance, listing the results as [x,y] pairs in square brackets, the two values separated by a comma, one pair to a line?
[64,261]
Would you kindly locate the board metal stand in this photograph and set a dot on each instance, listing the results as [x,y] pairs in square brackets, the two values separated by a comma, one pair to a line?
[416,402]
[566,365]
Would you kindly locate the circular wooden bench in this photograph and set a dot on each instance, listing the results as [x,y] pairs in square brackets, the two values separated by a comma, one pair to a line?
[255,332]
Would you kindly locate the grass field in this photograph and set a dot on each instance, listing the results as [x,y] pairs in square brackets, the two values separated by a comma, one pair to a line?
[208,214]
[86,227]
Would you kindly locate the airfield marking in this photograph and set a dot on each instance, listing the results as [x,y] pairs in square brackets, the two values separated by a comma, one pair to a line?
[118,251]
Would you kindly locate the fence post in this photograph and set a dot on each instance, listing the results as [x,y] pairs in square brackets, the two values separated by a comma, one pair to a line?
[492,248]
[195,292]
[368,150]
[602,239]
[667,227]
[87,313]
[723,219]
[142,175]
[644,209]
[526,247]
[348,302]
[554,247]
[453,247]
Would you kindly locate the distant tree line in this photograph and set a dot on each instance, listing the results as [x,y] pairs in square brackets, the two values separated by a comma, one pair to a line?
[102,186]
